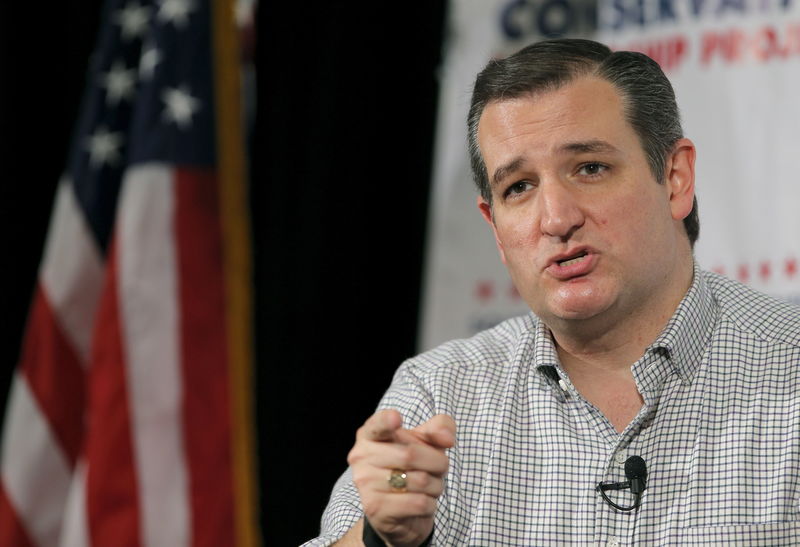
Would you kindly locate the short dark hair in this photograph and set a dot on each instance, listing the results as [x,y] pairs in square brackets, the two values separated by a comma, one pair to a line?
[647,96]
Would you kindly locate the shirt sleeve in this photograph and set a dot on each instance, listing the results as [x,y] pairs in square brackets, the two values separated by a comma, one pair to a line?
[409,397]
[343,511]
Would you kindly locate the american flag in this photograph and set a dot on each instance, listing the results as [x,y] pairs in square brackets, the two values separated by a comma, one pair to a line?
[129,419]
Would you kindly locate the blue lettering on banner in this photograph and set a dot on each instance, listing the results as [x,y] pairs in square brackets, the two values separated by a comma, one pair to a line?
[733,5]
[548,18]
[665,10]
[617,15]
[555,18]
[697,7]
[509,20]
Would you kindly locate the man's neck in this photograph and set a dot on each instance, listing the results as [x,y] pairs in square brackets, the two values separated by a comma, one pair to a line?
[615,343]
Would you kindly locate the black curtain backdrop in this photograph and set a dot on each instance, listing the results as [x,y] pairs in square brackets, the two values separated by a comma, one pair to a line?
[341,163]
[341,170]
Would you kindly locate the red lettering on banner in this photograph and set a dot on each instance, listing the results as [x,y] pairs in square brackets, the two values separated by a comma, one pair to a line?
[764,270]
[668,52]
[791,267]
[743,273]
[763,44]
[484,291]
[726,45]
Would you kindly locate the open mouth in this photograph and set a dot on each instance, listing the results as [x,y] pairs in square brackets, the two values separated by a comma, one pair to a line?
[573,260]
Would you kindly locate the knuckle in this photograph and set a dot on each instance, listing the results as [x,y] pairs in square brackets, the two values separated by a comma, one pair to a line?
[443,464]
[354,456]
[407,454]
[423,505]
[360,479]
[430,506]
[372,506]
[424,481]
[361,431]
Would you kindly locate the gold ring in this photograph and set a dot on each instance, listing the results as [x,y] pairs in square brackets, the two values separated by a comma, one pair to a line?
[397,480]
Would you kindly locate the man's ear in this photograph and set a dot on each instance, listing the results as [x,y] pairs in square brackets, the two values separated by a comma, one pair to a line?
[486,212]
[679,178]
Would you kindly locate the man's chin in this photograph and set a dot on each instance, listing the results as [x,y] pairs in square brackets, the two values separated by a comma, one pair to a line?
[577,310]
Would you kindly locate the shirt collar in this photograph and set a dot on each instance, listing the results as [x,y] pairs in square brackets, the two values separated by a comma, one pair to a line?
[689,329]
[683,339]
[544,348]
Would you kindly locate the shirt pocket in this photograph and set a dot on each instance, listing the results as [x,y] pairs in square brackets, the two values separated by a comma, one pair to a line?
[773,534]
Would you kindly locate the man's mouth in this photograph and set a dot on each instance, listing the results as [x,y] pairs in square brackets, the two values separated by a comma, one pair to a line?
[573,260]
[575,263]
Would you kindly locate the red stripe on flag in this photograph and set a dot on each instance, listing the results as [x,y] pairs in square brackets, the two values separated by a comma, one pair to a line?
[54,375]
[112,495]
[12,532]
[204,358]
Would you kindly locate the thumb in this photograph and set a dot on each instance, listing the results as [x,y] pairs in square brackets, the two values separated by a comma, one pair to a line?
[439,431]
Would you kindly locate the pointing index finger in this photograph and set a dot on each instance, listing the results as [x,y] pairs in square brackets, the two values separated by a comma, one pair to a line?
[439,431]
[381,426]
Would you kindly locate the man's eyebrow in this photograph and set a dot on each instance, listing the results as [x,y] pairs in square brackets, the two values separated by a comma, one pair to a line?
[588,147]
[502,172]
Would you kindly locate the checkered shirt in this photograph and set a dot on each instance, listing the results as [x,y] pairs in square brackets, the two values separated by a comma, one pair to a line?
[719,431]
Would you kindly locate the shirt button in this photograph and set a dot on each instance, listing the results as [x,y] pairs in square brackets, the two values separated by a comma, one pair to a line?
[620,457]
[612,542]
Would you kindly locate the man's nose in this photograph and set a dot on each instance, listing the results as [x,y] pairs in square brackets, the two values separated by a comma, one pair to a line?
[561,211]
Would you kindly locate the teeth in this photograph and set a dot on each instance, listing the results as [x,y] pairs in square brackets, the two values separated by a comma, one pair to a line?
[572,261]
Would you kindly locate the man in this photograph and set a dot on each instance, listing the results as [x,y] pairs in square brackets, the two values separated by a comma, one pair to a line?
[631,350]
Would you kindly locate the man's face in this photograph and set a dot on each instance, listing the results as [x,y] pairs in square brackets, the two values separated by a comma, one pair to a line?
[583,227]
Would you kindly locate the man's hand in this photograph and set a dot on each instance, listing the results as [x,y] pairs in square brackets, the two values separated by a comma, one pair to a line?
[401,517]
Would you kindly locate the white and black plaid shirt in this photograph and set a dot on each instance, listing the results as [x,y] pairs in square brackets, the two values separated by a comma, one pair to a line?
[719,431]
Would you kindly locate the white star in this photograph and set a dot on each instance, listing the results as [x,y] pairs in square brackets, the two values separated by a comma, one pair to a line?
[180,106]
[132,20]
[175,11]
[244,12]
[103,147]
[151,56]
[119,83]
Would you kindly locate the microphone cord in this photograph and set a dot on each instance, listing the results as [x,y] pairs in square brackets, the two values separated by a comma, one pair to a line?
[603,486]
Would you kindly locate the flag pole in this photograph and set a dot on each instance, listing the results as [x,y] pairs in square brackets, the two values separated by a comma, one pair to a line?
[237,265]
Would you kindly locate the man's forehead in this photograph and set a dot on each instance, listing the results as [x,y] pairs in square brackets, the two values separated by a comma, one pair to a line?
[580,93]
[583,109]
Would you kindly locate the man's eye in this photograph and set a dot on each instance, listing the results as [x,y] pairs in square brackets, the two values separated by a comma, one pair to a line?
[517,188]
[591,169]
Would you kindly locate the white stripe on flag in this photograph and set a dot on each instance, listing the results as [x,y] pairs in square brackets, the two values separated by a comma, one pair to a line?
[35,473]
[76,524]
[149,310]
[72,271]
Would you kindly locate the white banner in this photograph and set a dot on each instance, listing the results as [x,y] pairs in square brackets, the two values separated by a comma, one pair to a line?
[466,287]
[735,65]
